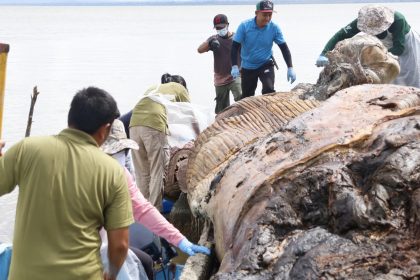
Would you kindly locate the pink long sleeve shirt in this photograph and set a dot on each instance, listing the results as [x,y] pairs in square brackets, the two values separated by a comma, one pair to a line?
[146,214]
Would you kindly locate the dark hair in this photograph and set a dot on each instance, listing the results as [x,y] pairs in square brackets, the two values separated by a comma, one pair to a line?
[167,78]
[91,108]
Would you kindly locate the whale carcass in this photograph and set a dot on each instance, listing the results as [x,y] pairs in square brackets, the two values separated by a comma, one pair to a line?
[302,189]
[333,193]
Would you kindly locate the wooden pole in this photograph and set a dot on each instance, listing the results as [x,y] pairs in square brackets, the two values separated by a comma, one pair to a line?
[31,111]
[4,50]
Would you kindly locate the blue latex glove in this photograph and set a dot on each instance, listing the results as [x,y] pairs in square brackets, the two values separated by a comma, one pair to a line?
[235,71]
[192,249]
[321,61]
[291,75]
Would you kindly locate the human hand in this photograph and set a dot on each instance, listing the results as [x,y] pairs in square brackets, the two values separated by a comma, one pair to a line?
[214,44]
[110,272]
[291,75]
[107,276]
[192,249]
[235,71]
[322,61]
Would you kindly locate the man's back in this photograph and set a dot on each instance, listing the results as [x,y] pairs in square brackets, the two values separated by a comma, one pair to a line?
[150,113]
[68,189]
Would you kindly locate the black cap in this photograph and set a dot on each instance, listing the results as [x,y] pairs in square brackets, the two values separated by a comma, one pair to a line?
[220,20]
[265,6]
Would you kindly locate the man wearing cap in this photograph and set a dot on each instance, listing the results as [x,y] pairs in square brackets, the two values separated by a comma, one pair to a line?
[221,45]
[393,30]
[254,38]
[68,189]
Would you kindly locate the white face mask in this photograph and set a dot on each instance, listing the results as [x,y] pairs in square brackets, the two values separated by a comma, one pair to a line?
[222,32]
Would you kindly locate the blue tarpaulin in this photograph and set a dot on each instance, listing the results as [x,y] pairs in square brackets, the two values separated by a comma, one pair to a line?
[5,258]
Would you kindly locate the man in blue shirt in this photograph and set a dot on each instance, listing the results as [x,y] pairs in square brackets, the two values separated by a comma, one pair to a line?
[255,38]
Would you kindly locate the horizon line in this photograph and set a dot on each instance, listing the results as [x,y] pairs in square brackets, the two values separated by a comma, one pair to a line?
[187,2]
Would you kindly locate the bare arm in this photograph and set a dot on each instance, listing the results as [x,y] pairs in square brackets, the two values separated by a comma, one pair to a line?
[117,251]
[204,47]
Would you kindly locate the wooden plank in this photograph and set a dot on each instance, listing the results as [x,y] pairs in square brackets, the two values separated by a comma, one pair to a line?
[4,50]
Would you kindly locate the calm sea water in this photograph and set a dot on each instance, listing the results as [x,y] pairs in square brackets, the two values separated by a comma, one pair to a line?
[126,49]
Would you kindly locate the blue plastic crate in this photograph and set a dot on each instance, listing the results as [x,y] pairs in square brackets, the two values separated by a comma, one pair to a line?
[169,272]
[167,206]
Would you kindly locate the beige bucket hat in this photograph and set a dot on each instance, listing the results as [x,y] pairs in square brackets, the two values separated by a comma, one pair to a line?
[375,19]
[117,140]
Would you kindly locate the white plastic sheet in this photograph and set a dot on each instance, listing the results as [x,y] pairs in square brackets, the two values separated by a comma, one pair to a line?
[132,268]
[185,120]
[410,61]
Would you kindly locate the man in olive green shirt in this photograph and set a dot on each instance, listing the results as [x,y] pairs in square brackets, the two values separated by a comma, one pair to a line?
[149,128]
[68,190]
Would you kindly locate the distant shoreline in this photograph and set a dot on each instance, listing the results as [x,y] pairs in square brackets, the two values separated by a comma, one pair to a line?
[180,2]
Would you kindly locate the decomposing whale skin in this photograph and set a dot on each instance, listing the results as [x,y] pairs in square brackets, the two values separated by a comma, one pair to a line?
[242,124]
[175,173]
[332,194]
[358,60]
[362,59]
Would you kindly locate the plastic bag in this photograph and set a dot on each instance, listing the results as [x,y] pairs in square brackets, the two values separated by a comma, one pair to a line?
[185,120]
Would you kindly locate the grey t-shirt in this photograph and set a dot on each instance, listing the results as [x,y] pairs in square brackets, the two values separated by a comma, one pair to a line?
[222,62]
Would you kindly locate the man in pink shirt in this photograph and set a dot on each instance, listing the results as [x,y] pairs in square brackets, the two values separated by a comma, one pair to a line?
[117,145]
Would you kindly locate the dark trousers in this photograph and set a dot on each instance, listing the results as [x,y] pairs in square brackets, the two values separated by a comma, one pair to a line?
[250,79]
[146,261]
[222,94]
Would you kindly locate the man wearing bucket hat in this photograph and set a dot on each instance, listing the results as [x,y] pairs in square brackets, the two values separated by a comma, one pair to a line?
[117,145]
[254,38]
[221,45]
[395,33]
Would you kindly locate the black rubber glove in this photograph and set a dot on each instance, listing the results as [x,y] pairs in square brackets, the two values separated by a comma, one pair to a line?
[214,44]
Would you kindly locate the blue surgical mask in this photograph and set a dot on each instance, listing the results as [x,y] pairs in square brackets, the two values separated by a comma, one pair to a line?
[222,32]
